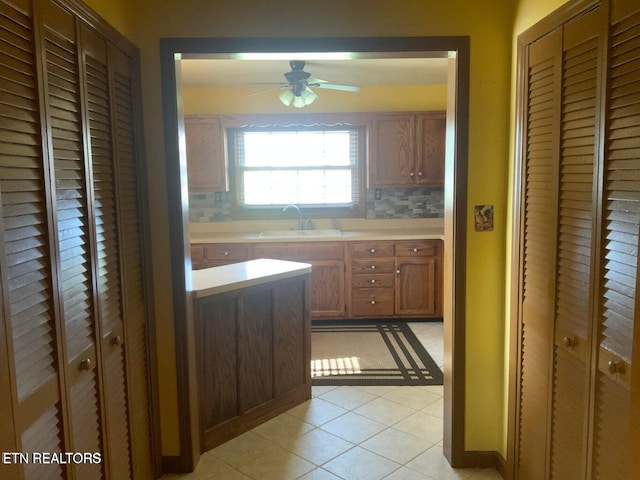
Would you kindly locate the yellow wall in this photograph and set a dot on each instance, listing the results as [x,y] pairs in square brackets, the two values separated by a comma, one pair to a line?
[488,23]
[199,101]
[117,13]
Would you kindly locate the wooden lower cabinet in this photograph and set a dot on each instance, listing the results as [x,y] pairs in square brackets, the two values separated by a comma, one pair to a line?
[402,278]
[252,355]
[327,274]
[327,289]
[352,279]
[415,292]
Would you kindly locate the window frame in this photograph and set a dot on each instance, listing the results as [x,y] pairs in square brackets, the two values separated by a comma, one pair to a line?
[269,212]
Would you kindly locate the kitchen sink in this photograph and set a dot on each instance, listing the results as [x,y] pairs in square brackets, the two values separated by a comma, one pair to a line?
[330,232]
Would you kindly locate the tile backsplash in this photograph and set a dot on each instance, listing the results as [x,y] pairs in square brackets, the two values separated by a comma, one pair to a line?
[394,203]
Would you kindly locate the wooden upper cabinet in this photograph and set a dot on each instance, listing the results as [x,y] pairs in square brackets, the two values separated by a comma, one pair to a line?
[407,149]
[391,149]
[431,132]
[206,154]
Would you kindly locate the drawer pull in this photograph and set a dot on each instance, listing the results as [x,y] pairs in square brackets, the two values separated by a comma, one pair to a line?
[226,254]
[117,341]
[373,280]
[415,250]
[568,342]
[373,250]
[373,267]
[373,302]
[85,364]
[614,367]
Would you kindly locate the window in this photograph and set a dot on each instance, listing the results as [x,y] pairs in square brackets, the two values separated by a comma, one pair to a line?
[315,167]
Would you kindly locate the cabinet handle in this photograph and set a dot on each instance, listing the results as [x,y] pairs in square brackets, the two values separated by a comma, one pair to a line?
[85,364]
[419,174]
[373,302]
[398,271]
[373,267]
[415,250]
[117,341]
[373,250]
[411,174]
[568,342]
[226,254]
[614,367]
[373,280]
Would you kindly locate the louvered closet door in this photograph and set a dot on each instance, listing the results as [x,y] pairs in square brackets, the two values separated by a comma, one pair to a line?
[538,217]
[110,314]
[76,276]
[26,263]
[129,204]
[621,211]
[577,228]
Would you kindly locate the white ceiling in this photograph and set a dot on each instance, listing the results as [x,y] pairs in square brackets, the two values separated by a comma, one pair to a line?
[225,72]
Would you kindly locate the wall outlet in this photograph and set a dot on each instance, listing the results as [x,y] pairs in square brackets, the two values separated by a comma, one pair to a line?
[378,194]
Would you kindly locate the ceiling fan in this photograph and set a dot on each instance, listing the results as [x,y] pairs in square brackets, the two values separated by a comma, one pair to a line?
[298,86]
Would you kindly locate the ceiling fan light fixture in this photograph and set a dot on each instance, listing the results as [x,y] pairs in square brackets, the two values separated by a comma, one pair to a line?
[298,102]
[287,97]
[308,95]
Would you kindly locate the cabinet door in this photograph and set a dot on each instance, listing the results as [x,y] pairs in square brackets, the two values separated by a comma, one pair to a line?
[430,149]
[206,154]
[327,289]
[415,289]
[392,150]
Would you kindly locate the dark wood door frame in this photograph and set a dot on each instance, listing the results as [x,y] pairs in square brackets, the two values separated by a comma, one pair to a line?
[455,208]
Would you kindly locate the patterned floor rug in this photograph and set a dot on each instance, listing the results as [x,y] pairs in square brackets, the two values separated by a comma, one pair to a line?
[369,353]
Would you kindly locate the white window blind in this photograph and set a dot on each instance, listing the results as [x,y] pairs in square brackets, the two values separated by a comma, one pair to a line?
[314,166]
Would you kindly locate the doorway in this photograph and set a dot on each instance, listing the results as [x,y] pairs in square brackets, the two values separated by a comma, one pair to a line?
[457,50]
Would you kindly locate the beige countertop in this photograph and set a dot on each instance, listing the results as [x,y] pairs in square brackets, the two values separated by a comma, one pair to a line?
[348,230]
[212,281]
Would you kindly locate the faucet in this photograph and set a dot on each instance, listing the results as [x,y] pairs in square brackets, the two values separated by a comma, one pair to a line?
[300,223]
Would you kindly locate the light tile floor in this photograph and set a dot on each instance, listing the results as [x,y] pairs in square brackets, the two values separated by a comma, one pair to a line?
[348,433]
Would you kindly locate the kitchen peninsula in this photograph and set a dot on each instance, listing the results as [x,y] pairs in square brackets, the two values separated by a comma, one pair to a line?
[253,350]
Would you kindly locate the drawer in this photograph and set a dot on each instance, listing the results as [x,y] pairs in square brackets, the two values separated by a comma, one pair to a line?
[373,265]
[372,302]
[379,280]
[372,249]
[303,251]
[197,253]
[417,248]
[227,252]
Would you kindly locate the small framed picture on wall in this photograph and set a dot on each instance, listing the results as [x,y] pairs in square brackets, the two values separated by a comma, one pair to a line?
[483,218]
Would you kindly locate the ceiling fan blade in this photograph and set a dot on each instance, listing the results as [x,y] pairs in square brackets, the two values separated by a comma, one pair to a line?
[331,86]
[259,92]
